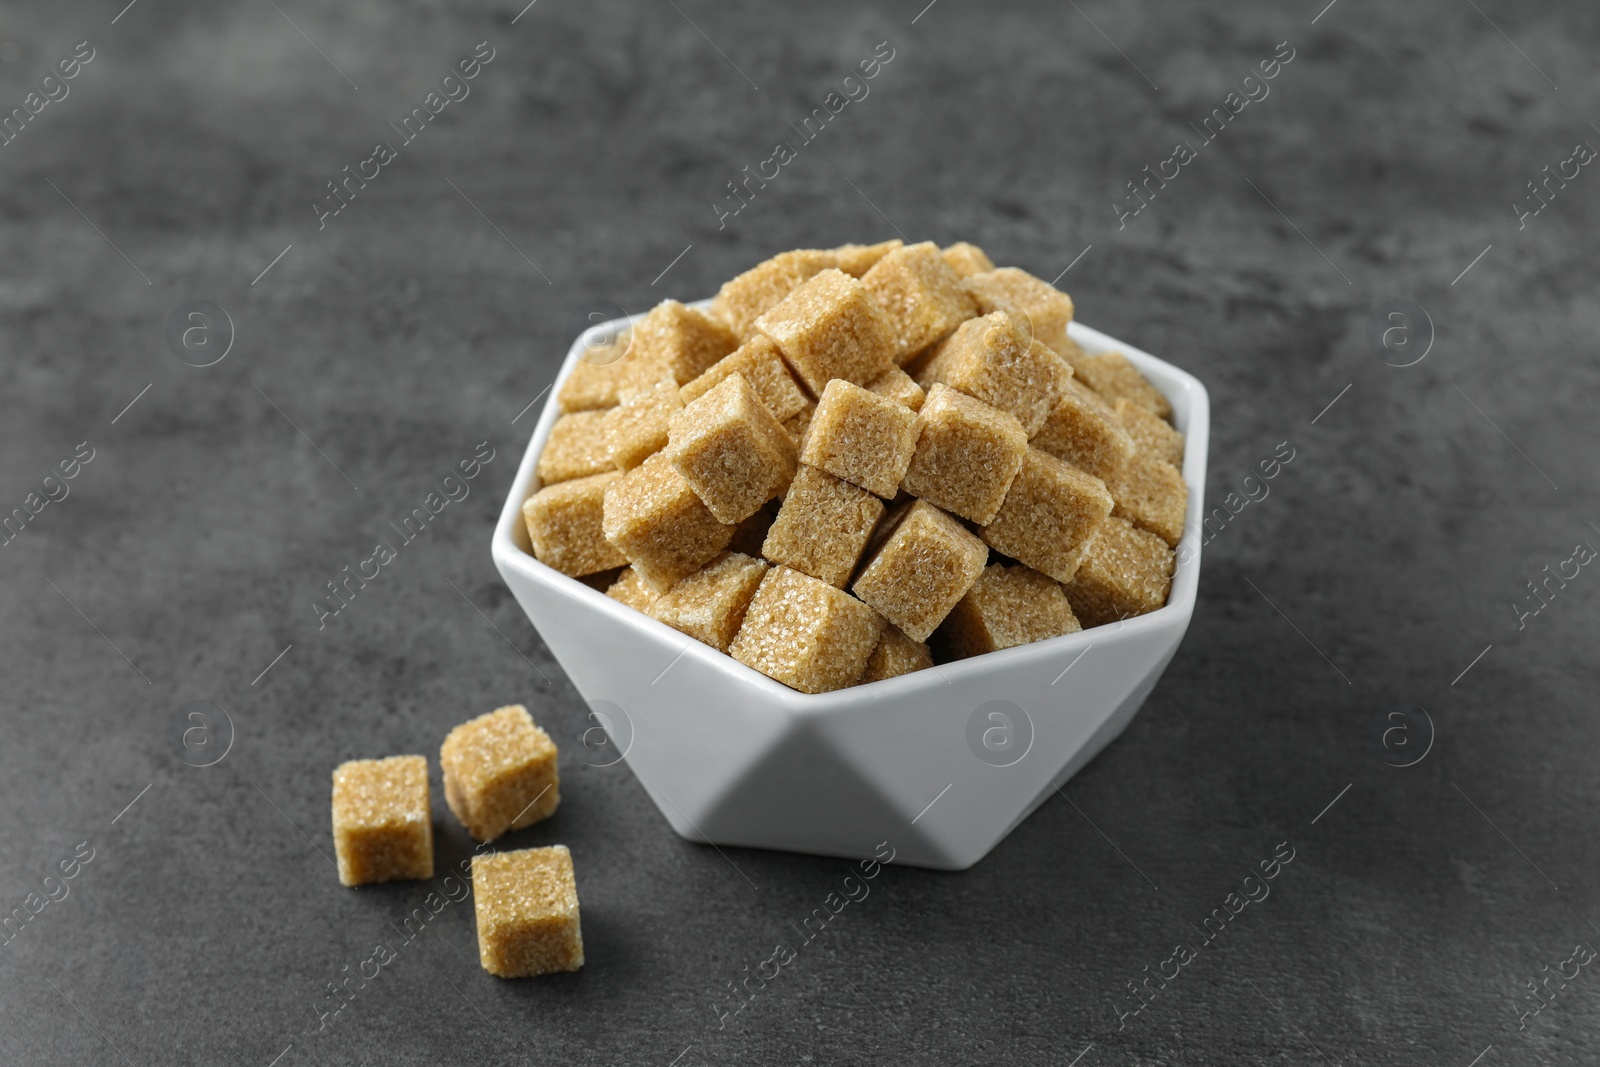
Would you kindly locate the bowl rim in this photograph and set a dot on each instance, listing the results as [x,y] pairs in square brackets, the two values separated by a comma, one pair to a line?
[1191,415]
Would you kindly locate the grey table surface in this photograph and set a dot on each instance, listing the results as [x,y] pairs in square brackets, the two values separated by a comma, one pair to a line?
[1381,575]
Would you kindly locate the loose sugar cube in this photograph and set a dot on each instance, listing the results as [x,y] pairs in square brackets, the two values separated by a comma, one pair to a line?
[829,328]
[895,655]
[805,633]
[823,526]
[1126,572]
[576,448]
[967,259]
[527,912]
[709,605]
[731,450]
[1151,435]
[656,522]
[761,288]
[681,339]
[761,364]
[636,428]
[500,772]
[990,359]
[862,437]
[921,569]
[898,386]
[1006,607]
[967,453]
[921,297]
[564,525]
[1113,377]
[1050,516]
[631,589]
[382,824]
[1151,494]
[1084,431]
[1048,310]
[856,260]
[592,386]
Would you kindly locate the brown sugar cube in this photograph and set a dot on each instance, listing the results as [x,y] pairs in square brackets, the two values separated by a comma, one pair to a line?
[856,260]
[921,569]
[1047,309]
[1151,435]
[1126,572]
[576,448]
[565,523]
[746,298]
[900,387]
[830,328]
[1006,607]
[921,297]
[797,424]
[762,365]
[636,428]
[895,655]
[1084,431]
[657,522]
[382,824]
[967,453]
[967,259]
[709,605]
[500,772]
[595,385]
[1050,515]
[1151,494]
[631,589]
[1113,377]
[823,526]
[527,912]
[862,437]
[731,450]
[991,359]
[681,339]
[805,633]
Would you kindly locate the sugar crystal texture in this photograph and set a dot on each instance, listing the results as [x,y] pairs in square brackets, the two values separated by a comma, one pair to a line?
[681,339]
[805,633]
[921,297]
[1050,516]
[1126,572]
[1084,431]
[899,386]
[856,260]
[990,359]
[862,437]
[731,451]
[636,428]
[759,360]
[896,654]
[921,570]
[967,259]
[631,589]
[747,297]
[600,376]
[576,448]
[527,912]
[565,525]
[830,328]
[709,605]
[1151,494]
[500,772]
[823,526]
[382,824]
[797,424]
[1047,310]
[1151,434]
[1007,607]
[657,523]
[966,455]
[1113,377]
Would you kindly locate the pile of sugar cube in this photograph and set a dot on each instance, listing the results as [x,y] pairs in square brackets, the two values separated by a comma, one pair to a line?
[500,774]
[863,461]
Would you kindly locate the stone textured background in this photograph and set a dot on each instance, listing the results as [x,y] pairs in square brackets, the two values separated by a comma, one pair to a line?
[1392,548]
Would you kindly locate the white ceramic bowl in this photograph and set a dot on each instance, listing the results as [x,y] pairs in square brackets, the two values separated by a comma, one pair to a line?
[941,764]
